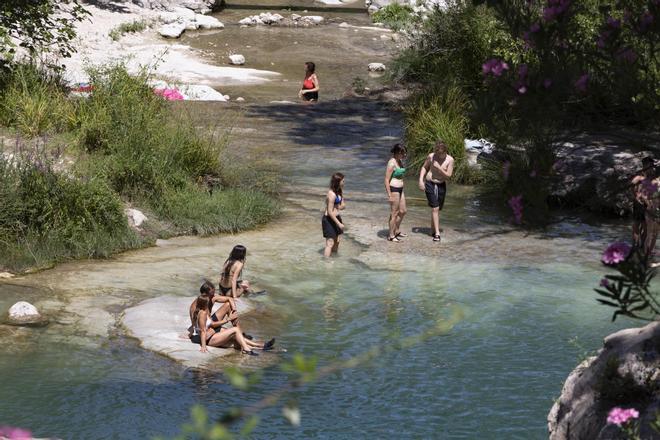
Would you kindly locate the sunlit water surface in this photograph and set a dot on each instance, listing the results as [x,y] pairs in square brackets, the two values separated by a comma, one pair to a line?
[523,296]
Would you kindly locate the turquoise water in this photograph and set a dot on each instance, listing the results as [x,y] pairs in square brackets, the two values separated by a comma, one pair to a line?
[523,295]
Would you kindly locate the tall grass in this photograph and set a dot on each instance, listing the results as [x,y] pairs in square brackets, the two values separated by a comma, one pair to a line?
[125,28]
[440,115]
[33,101]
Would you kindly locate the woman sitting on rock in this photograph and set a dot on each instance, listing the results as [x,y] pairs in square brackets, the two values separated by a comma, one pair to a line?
[204,334]
[229,284]
[310,86]
[226,313]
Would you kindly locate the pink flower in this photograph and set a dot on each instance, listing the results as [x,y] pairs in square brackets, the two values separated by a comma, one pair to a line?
[522,89]
[619,416]
[15,433]
[604,283]
[494,66]
[616,253]
[169,94]
[581,83]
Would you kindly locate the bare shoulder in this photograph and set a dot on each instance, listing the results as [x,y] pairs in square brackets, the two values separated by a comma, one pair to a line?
[450,159]
[391,163]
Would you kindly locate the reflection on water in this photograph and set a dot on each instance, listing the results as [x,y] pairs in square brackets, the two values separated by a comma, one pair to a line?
[524,295]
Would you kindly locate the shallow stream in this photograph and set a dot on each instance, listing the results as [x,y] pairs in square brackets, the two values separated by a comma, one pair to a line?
[524,295]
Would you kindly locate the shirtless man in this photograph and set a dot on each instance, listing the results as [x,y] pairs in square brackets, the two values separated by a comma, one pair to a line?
[437,169]
[639,204]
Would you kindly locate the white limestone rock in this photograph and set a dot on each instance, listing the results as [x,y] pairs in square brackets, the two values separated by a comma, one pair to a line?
[172,30]
[24,313]
[316,19]
[135,217]
[199,92]
[206,22]
[237,59]
[168,335]
[376,67]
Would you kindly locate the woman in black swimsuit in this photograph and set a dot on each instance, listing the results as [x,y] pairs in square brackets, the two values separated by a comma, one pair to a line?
[331,222]
[229,283]
[204,334]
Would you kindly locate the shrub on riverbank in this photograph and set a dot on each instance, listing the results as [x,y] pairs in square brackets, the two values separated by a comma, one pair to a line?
[394,16]
[539,69]
[129,146]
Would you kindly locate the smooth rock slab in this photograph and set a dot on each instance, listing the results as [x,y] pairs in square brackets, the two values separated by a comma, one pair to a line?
[172,30]
[161,325]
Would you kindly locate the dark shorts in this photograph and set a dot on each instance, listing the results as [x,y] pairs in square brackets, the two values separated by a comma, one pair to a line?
[330,228]
[638,211]
[435,193]
[197,339]
[394,189]
[311,96]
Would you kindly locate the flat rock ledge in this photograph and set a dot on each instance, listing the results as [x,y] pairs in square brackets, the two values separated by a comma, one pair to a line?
[624,373]
[160,324]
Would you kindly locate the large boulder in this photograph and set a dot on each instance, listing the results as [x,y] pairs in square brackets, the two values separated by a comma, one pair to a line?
[625,373]
[24,313]
[172,30]
[207,22]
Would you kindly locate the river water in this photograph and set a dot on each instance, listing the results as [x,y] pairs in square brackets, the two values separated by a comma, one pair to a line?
[523,295]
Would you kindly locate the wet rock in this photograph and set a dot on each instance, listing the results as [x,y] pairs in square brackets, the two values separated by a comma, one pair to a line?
[135,217]
[172,30]
[316,19]
[169,335]
[376,67]
[630,360]
[237,59]
[24,313]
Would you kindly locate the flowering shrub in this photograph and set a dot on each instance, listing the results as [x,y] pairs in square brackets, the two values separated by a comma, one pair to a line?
[629,291]
[13,433]
[619,416]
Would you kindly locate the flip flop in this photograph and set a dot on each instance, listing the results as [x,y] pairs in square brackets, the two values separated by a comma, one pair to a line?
[436,237]
[269,345]
[394,239]
[249,353]
[400,234]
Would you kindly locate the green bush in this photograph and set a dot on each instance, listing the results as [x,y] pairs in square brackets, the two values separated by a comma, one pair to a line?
[126,28]
[48,216]
[394,16]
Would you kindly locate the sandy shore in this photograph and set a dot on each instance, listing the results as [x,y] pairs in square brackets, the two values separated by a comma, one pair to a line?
[176,63]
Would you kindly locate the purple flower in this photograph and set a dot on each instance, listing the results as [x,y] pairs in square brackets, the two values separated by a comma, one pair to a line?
[547,83]
[506,167]
[619,416]
[13,433]
[628,55]
[616,253]
[535,28]
[614,23]
[604,283]
[522,71]
[645,20]
[515,203]
[581,83]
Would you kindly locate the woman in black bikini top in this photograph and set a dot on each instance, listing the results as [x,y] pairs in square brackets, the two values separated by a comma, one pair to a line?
[229,283]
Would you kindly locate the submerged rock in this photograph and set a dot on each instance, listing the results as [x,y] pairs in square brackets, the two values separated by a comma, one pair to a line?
[24,313]
[160,324]
[625,373]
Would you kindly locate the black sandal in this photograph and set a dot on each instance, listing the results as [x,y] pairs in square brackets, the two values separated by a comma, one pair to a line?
[269,345]
[436,237]
[400,234]
[249,353]
[394,239]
